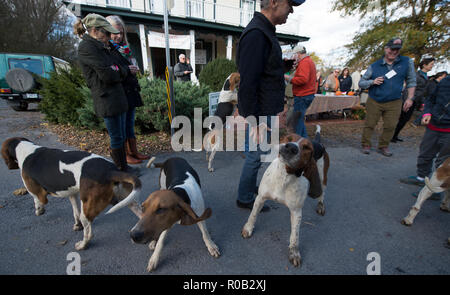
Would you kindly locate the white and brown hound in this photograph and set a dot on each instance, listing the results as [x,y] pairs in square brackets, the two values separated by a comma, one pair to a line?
[299,171]
[179,200]
[60,173]
[227,101]
[439,182]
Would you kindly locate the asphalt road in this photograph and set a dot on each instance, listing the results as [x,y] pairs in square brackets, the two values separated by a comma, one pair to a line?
[364,205]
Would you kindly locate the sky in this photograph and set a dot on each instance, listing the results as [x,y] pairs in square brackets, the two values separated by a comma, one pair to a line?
[328,31]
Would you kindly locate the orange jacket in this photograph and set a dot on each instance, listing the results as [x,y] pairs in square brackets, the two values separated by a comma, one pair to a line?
[304,82]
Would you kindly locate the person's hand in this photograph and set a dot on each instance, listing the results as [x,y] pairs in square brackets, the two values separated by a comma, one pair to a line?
[187,72]
[133,69]
[408,103]
[378,81]
[286,77]
[426,119]
[258,133]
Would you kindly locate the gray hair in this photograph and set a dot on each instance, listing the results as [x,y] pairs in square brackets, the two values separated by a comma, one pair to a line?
[181,55]
[265,4]
[115,20]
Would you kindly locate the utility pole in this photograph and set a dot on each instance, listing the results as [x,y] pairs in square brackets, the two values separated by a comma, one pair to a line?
[168,4]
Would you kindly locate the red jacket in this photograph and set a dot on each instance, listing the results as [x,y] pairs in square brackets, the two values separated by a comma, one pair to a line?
[304,82]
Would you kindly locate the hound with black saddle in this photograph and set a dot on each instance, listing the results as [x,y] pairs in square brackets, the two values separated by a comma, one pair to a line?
[60,173]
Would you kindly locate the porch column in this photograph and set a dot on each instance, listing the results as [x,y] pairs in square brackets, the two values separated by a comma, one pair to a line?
[144,48]
[230,47]
[192,55]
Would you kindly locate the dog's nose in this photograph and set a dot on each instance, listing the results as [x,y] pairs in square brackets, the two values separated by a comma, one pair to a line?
[291,148]
[137,236]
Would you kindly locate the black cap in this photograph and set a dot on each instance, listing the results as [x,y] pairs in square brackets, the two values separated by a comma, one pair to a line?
[395,43]
[297,2]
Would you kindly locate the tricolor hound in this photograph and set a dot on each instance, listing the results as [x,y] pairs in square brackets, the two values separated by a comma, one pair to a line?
[227,101]
[60,173]
[439,182]
[299,171]
[179,200]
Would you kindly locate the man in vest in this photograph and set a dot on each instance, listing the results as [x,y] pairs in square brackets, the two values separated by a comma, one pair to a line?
[384,79]
[262,87]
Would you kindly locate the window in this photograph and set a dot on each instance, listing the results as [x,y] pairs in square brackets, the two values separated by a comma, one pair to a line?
[195,8]
[119,3]
[32,65]
[247,11]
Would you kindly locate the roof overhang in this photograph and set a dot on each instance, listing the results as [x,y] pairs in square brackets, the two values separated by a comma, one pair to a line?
[178,22]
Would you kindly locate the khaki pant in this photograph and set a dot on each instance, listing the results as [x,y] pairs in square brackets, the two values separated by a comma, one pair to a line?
[390,112]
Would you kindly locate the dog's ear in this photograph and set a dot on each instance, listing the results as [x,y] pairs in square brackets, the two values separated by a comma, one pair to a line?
[235,78]
[9,153]
[309,167]
[446,183]
[190,217]
[312,174]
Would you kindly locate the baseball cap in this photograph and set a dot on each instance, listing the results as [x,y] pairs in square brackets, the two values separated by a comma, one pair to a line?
[299,49]
[297,2]
[395,43]
[93,20]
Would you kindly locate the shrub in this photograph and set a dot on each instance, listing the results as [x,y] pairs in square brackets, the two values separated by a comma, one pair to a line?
[86,114]
[61,96]
[154,114]
[215,73]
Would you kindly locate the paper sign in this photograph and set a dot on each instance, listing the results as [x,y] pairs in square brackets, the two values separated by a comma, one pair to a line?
[390,74]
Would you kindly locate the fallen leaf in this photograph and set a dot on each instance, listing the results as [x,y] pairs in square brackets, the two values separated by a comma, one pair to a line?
[351,249]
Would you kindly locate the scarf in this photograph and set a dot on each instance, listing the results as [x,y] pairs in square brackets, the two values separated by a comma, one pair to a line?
[123,49]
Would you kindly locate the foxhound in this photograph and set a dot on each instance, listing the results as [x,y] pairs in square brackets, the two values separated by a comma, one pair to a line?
[180,201]
[299,171]
[227,101]
[60,173]
[439,182]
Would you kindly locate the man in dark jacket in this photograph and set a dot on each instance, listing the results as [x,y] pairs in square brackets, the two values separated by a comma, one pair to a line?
[436,140]
[182,69]
[262,87]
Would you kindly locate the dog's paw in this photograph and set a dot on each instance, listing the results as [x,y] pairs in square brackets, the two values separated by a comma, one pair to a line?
[246,232]
[406,222]
[39,211]
[81,245]
[77,227]
[294,257]
[211,169]
[320,209]
[214,250]
[152,264]
[444,208]
[152,245]
[20,191]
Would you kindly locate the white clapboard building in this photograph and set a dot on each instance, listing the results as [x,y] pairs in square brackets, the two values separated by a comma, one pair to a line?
[201,29]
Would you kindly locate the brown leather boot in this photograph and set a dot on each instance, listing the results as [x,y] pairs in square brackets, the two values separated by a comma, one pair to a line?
[133,150]
[131,159]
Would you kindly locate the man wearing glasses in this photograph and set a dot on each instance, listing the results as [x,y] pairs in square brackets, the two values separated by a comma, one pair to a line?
[332,82]
[384,79]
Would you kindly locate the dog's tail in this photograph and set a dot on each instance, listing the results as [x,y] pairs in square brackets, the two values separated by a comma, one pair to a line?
[151,163]
[317,137]
[119,176]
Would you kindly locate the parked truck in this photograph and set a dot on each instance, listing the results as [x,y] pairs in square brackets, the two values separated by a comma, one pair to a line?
[20,74]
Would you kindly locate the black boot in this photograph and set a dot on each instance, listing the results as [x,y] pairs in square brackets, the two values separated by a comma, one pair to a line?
[136,171]
[116,155]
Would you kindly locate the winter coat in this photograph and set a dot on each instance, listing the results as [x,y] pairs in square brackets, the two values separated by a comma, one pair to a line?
[104,76]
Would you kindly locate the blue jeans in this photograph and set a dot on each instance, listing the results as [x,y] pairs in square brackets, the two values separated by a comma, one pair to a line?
[129,123]
[301,104]
[249,174]
[116,129]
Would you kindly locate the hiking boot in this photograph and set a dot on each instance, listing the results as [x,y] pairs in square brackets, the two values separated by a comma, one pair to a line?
[413,180]
[365,150]
[384,151]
